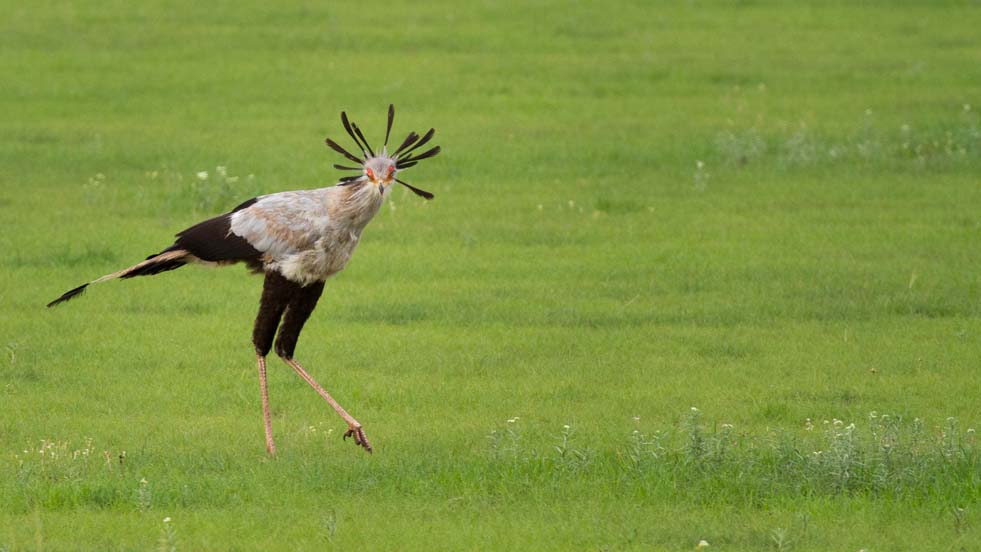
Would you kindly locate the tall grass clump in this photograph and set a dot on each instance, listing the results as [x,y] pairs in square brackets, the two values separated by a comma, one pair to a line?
[884,455]
[955,139]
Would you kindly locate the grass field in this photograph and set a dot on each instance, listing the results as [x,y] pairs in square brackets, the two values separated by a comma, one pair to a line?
[770,212]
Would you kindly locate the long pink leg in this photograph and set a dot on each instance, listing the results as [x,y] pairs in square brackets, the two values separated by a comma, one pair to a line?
[354,428]
[270,446]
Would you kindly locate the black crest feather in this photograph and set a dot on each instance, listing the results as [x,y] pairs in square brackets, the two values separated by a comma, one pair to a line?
[349,180]
[423,193]
[424,155]
[391,119]
[350,132]
[337,147]
[412,137]
[363,140]
[425,138]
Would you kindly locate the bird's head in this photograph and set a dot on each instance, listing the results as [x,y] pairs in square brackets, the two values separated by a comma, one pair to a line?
[379,169]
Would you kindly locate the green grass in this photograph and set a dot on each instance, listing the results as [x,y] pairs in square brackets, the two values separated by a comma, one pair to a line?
[767,211]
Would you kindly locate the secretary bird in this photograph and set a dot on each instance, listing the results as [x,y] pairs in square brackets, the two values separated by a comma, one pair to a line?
[297,240]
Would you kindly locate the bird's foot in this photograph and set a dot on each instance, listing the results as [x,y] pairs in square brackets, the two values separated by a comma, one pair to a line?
[359,438]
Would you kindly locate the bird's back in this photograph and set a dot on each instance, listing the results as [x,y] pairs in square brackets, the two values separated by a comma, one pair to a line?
[283,223]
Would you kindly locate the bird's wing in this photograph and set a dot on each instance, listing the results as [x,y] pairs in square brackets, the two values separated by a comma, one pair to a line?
[282,224]
[213,241]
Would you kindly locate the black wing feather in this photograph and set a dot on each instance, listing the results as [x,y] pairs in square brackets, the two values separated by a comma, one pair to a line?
[213,241]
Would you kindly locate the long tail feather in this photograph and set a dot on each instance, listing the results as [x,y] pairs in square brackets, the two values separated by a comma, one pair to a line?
[70,294]
[168,259]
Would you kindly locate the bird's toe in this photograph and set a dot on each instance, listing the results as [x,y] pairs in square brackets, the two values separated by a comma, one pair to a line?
[359,437]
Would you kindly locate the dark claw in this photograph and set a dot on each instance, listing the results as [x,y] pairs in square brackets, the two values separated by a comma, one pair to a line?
[359,438]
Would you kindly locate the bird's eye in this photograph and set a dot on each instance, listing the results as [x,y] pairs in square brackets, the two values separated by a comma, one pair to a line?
[391,170]
[371,175]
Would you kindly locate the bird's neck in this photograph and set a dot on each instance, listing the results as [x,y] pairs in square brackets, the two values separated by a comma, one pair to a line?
[356,204]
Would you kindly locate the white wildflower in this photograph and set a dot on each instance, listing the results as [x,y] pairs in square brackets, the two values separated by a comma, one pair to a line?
[203,175]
